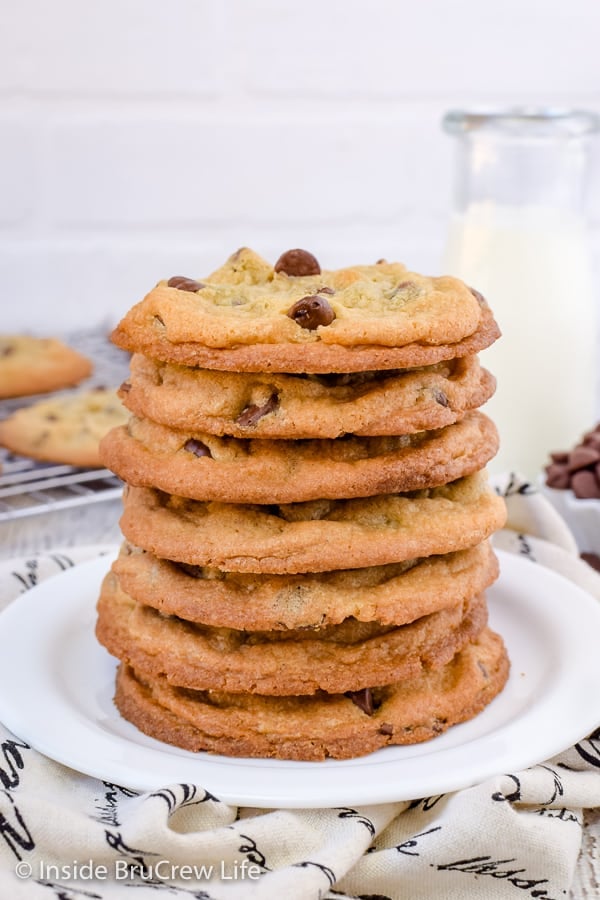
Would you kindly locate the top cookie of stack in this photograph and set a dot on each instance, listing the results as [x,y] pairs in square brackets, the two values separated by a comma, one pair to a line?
[249,316]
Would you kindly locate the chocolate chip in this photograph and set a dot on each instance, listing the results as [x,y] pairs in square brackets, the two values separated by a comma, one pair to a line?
[577,469]
[8,350]
[125,387]
[584,485]
[582,457]
[381,262]
[592,440]
[483,669]
[363,699]
[197,448]
[592,559]
[182,283]
[400,287]
[311,312]
[297,263]
[386,728]
[557,476]
[252,414]
[159,320]
[440,397]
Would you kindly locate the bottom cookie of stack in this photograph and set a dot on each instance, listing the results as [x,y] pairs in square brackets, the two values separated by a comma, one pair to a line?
[318,726]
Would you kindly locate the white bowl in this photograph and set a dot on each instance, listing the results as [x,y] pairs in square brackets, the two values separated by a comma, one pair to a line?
[581,516]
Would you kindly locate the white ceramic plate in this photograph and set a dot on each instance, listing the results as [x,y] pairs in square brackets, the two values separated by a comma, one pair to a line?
[57,687]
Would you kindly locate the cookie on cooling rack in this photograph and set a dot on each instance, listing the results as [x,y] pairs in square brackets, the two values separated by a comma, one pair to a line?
[64,429]
[32,365]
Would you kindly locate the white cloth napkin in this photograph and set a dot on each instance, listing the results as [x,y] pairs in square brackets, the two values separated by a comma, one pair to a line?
[68,836]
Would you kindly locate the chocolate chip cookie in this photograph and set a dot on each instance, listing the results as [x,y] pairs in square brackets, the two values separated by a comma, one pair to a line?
[64,429]
[334,658]
[31,365]
[393,594]
[318,726]
[202,466]
[293,317]
[315,536]
[311,406]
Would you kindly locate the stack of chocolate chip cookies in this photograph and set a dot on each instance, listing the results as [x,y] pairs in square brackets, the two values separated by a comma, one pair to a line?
[307,514]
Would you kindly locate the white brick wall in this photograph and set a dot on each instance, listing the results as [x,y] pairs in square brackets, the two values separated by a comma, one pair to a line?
[141,138]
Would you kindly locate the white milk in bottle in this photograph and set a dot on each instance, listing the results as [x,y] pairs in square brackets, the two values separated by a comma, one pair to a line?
[519,237]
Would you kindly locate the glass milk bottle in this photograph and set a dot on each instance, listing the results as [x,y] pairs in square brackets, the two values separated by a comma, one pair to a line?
[518,236]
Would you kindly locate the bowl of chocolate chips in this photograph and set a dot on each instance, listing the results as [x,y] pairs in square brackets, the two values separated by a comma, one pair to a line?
[572,484]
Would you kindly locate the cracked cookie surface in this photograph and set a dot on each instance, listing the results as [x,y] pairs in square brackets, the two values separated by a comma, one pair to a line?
[244,317]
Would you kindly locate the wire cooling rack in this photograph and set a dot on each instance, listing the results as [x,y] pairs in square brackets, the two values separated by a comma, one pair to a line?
[29,488]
